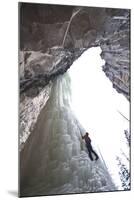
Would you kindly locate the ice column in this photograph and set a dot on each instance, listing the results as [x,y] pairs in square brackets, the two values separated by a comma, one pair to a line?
[54,159]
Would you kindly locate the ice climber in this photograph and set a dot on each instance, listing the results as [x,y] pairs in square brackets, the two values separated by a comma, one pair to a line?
[89,147]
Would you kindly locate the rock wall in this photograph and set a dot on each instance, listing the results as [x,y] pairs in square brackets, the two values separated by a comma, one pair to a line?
[30,109]
[52,37]
[116,52]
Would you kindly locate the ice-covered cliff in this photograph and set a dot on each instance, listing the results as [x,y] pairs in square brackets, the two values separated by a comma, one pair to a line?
[52,37]
[55,159]
[52,154]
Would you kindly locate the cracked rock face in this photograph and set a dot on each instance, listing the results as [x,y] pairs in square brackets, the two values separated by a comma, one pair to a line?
[116,53]
[52,37]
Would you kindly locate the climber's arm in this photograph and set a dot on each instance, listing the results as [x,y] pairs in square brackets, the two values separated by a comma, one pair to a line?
[83,137]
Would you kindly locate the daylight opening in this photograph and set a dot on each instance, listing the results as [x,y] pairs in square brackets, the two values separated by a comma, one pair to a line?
[97,105]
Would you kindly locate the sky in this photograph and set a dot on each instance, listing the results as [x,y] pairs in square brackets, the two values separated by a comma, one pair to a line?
[96,104]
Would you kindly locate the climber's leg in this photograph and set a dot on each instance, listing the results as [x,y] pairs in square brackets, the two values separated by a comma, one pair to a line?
[90,155]
[89,152]
[97,157]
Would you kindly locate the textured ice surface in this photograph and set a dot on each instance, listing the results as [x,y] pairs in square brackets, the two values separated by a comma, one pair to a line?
[55,159]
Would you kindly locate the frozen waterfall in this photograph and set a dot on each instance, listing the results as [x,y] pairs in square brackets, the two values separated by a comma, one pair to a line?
[55,159]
